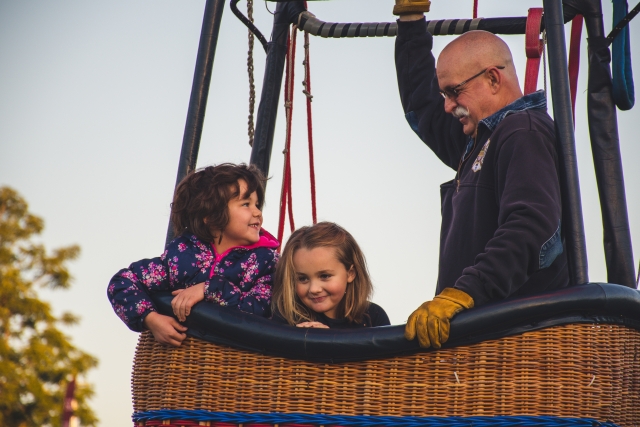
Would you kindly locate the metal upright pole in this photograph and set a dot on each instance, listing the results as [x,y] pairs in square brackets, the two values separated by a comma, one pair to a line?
[199,92]
[286,13]
[605,146]
[572,224]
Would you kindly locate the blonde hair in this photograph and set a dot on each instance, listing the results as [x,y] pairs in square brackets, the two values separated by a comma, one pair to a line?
[355,303]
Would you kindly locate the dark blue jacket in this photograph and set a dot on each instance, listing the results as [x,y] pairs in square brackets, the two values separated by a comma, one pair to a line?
[241,277]
[501,228]
[374,316]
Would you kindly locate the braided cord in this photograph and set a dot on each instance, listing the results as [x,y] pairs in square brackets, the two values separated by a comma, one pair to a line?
[286,198]
[252,86]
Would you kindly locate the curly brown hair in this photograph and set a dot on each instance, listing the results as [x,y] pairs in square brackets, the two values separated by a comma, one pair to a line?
[200,203]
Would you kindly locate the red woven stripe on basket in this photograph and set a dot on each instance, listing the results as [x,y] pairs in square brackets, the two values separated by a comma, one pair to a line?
[172,423]
[179,423]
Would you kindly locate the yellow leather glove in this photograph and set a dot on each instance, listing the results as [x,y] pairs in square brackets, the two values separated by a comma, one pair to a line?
[431,319]
[404,7]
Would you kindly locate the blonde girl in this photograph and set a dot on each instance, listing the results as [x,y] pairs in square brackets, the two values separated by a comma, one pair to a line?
[322,281]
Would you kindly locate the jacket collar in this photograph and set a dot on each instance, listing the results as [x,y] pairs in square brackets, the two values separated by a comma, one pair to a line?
[534,101]
[266,241]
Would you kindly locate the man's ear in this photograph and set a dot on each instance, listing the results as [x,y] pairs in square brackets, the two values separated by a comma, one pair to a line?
[351,274]
[495,79]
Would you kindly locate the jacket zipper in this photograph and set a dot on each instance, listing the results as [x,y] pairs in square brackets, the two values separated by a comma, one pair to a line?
[463,159]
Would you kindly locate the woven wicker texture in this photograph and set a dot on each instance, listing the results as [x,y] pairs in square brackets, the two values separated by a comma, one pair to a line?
[577,370]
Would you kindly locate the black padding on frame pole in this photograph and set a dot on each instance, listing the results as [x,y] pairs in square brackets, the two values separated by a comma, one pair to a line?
[286,13]
[572,222]
[605,147]
[199,92]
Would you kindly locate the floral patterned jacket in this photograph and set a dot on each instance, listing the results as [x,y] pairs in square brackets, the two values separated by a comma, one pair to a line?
[240,277]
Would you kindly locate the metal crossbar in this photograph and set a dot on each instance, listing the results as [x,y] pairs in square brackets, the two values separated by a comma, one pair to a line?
[309,23]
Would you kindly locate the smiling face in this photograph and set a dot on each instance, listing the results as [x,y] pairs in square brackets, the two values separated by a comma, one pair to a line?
[321,280]
[245,221]
[469,105]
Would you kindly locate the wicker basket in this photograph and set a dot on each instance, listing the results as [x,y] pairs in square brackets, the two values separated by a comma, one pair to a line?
[576,371]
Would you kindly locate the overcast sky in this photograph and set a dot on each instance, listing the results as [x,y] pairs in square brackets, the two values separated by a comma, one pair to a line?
[92,112]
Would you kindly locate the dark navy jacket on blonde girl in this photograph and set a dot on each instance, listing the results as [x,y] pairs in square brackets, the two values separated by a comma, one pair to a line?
[240,277]
[374,316]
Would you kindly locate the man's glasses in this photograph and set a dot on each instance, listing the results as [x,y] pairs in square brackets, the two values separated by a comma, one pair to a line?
[453,92]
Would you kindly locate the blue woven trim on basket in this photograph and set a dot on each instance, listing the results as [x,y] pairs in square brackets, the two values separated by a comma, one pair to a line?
[367,421]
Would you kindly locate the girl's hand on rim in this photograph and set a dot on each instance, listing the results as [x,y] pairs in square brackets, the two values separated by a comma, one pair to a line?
[185,299]
[165,329]
[312,325]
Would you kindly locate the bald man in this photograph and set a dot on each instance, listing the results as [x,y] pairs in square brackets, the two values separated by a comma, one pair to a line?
[501,229]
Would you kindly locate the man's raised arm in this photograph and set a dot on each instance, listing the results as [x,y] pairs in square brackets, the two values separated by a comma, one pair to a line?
[418,85]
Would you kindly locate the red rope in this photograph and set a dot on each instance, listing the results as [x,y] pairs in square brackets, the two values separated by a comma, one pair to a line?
[290,199]
[533,47]
[307,92]
[475,9]
[289,126]
[574,61]
[285,193]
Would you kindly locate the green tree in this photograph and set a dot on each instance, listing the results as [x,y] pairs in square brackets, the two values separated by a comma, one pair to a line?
[36,358]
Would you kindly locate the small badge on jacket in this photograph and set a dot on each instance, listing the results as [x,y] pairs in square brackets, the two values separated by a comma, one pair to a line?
[477,165]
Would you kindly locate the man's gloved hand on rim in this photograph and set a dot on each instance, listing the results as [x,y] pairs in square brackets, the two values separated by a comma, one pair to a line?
[431,320]
[404,7]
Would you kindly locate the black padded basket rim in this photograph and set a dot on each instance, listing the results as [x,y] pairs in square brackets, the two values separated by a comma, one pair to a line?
[595,303]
